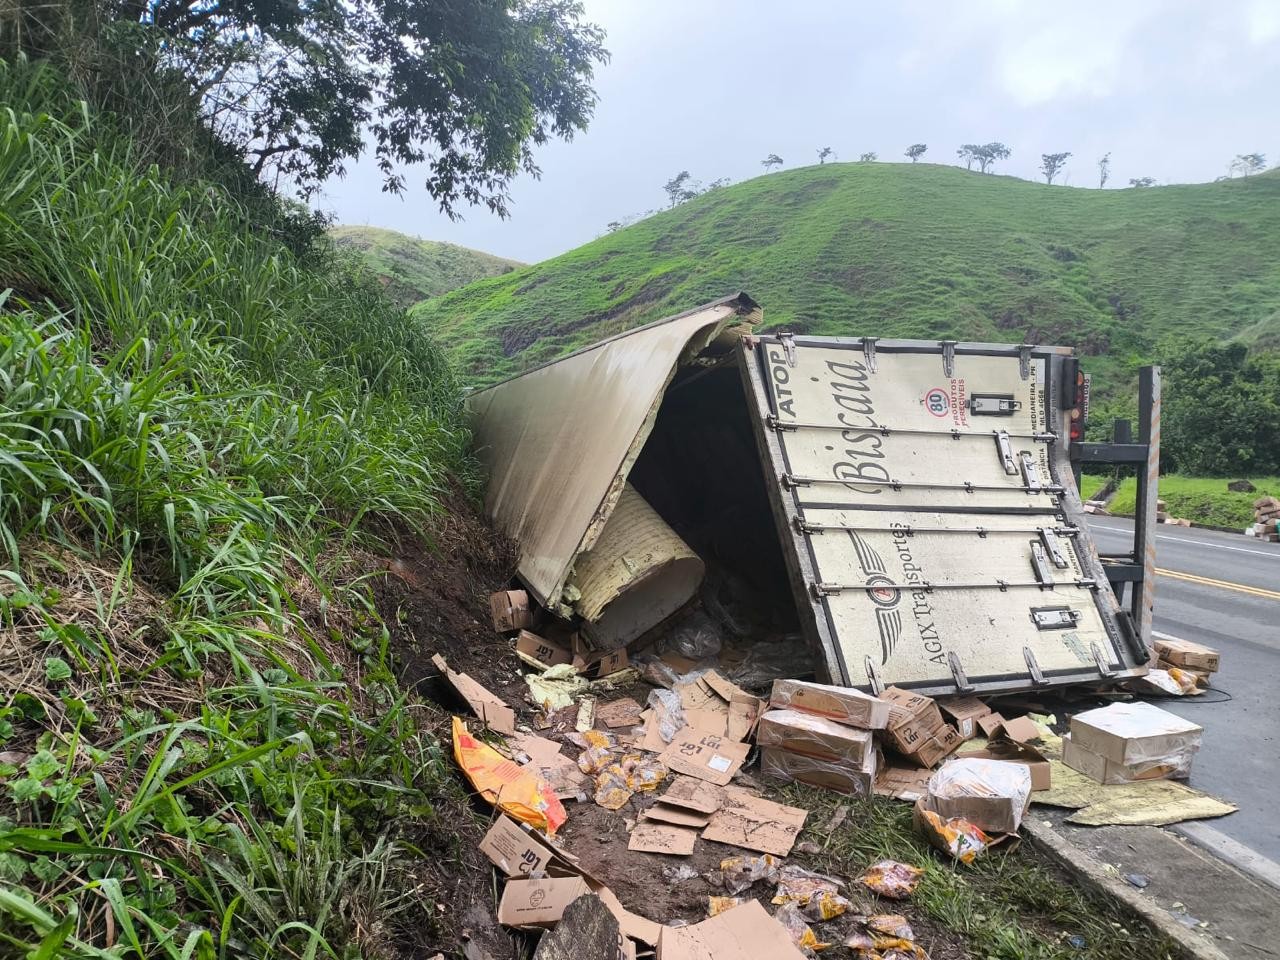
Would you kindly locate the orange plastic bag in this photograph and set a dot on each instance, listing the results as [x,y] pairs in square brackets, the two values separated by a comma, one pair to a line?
[502,782]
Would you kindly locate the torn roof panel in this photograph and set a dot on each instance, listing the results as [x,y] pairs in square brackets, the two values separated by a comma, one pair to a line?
[558,441]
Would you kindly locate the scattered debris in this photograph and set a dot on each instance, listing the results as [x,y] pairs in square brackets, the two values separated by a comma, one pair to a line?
[557,687]
[510,610]
[652,837]
[705,756]
[754,823]
[1266,520]
[1139,880]
[744,932]
[619,713]
[718,905]
[891,879]
[957,837]
[738,873]
[489,708]
[817,896]
[539,652]
[690,793]
[802,935]
[516,790]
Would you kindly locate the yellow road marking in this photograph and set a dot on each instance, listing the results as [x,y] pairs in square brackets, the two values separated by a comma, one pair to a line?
[1224,584]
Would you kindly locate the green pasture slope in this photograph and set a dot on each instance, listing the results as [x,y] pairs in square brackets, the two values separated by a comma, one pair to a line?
[413,269]
[905,250]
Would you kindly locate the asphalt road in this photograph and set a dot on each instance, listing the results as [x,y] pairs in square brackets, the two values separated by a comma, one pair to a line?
[1223,590]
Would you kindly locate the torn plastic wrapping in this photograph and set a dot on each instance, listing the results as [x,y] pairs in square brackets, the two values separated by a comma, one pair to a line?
[670,711]
[798,929]
[965,777]
[956,837]
[1178,683]
[696,637]
[1175,765]
[598,749]
[514,789]
[817,896]
[766,660]
[718,905]
[556,687]
[891,879]
[738,873]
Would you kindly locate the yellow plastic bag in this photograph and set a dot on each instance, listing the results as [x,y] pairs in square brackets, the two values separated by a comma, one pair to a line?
[510,787]
[957,837]
[891,879]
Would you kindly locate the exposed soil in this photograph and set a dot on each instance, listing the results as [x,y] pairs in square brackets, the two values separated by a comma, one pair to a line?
[434,599]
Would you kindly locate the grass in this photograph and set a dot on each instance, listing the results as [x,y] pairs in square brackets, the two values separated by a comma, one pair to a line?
[203,752]
[906,250]
[412,269]
[1008,906]
[1202,499]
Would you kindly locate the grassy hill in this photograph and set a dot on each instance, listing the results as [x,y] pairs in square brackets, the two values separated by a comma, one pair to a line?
[920,251]
[413,269]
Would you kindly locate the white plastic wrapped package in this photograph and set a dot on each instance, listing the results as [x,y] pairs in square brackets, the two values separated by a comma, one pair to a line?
[991,794]
[1130,733]
[1171,766]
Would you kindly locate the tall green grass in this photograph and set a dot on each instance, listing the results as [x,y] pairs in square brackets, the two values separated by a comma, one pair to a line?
[193,421]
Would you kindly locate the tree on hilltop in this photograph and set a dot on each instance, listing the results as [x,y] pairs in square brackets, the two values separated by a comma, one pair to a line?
[1142,182]
[772,160]
[868,157]
[1248,163]
[983,154]
[1104,169]
[825,154]
[1051,165]
[916,151]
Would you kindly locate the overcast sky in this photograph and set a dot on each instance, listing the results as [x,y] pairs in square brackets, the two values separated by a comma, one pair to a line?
[1172,89]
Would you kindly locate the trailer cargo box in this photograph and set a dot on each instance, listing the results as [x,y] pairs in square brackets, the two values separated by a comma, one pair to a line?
[908,505]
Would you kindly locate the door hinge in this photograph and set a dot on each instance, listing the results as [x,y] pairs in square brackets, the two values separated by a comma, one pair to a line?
[948,357]
[957,672]
[1030,472]
[788,341]
[1051,545]
[1024,360]
[1040,564]
[1033,666]
[869,352]
[1006,453]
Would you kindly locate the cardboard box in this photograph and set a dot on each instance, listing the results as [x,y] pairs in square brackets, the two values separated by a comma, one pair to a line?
[538,903]
[541,650]
[745,932]
[942,743]
[855,778]
[989,723]
[1184,653]
[510,610]
[813,736]
[1130,733]
[518,852]
[705,756]
[963,713]
[841,704]
[1014,752]
[1100,769]
[913,718]
[1019,730]
[900,782]
[990,794]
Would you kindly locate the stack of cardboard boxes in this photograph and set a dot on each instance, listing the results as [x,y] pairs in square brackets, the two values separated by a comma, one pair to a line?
[1266,519]
[1193,658]
[917,729]
[821,735]
[1125,742]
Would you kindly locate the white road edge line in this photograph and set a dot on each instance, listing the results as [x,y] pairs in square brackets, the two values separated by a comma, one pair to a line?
[1199,543]
[1243,858]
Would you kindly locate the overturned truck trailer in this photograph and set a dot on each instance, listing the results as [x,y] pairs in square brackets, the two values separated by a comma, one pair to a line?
[906,505]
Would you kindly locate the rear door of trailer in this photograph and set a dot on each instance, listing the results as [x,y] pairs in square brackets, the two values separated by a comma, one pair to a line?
[923,498]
